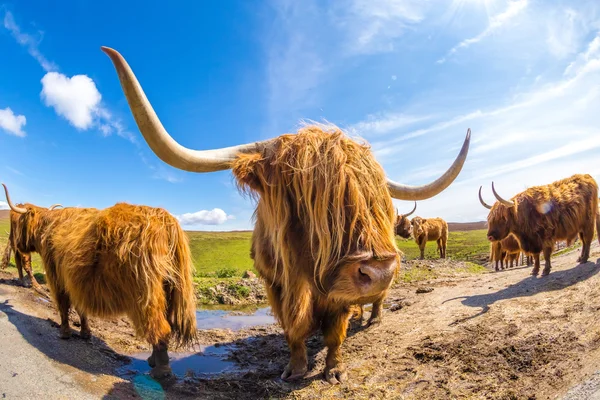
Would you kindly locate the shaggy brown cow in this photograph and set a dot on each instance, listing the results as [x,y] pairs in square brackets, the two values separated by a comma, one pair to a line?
[541,215]
[324,233]
[22,260]
[126,259]
[430,229]
[403,225]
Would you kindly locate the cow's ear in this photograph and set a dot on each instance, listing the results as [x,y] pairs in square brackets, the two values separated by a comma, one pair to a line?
[248,169]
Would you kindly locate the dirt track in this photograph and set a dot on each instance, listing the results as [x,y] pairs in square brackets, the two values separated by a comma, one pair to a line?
[499,335]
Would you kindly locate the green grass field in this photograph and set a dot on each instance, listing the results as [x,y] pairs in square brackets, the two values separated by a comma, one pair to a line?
[227,254]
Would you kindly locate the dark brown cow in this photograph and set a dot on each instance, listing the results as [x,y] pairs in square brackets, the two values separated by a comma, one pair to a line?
[430,229]
[541,215]
[403,225]
[324,233]
[126,259]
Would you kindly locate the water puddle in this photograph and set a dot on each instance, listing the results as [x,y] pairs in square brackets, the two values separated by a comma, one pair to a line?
[232,319]
[210,360]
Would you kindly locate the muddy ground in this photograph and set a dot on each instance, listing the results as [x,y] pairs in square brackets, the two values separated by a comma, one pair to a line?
[502,335]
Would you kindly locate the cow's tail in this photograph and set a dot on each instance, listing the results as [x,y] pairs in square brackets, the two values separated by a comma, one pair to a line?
[180,294]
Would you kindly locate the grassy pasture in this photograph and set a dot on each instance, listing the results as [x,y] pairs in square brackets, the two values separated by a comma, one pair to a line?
[227,254]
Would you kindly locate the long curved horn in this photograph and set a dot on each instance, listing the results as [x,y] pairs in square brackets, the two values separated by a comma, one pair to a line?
[404,192]
[53,206]
[507,203]
[483,203]
[413,210]
[171,152]
[159,140]
[19,210]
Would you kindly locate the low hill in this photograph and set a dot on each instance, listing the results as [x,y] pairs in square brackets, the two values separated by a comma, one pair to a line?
[466,226]
[4,214]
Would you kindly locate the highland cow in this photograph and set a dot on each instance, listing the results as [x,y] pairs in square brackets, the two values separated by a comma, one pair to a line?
[22,260]
[403,226]
[324,233]
[126,259]
[430,229]
[542,215]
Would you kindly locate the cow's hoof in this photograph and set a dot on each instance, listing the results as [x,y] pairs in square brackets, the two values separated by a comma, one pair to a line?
[85,334]
[545,272]
[374,322]
[336,375]
[291,373]
[535,272]
[65,334]
[161,372]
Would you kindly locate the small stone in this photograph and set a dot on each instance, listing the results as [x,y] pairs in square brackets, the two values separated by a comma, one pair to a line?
[424,290]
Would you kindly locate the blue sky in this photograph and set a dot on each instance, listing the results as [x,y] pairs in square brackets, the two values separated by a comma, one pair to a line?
[409,76]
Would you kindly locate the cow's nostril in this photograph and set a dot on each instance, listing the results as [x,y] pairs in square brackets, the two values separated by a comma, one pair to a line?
[363,275]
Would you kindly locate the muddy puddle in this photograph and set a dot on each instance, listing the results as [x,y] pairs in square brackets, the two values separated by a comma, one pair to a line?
[210,360]
[234,319]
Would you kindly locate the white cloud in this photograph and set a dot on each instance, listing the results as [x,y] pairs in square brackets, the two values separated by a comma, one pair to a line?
[3,205]
[583,59]
[371,26]
[565,29]
[386,123]
[216,216]
[28,41]
[12,123]
[540,135]
[76,99]
[514,8]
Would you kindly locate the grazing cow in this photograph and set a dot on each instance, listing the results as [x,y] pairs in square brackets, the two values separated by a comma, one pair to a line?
[430,229]
[403,225]
[324,234]
[22,260]
[541,215]
[126,259]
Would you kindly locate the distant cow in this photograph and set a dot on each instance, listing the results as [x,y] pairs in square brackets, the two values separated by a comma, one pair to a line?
[126,259]
[22,260]
[403,225]
[430,229]
[504,251]
[542,215]
[324,233]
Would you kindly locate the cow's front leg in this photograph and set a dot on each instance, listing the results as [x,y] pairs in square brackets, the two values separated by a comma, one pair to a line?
[294,310]
[334,328]
[375,318]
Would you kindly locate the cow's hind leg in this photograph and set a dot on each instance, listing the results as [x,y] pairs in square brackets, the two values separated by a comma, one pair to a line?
[334,328]
[152,322]
[547,256]
[84,332]
[536,264]
[586,240]
[64,303]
